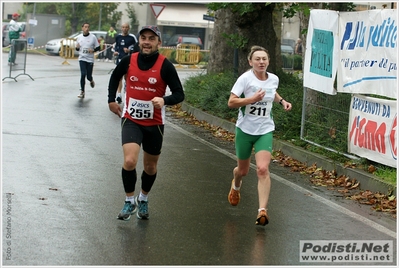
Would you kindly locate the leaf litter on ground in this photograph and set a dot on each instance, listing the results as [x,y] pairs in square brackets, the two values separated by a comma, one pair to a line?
[348,187]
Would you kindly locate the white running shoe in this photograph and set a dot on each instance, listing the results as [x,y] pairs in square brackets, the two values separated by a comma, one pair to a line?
[81,95]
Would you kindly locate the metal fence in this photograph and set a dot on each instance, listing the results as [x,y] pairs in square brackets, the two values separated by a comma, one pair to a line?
[17,58]
[287,62]
[325,120]
[187,54]
[67,50]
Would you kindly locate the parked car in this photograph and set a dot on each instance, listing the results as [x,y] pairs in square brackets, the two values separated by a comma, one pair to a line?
[286,49]
[289,42]
[6,38]
[184,39]
[53,47]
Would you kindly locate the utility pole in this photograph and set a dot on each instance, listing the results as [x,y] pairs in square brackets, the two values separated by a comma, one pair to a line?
[99,20]
[32,26]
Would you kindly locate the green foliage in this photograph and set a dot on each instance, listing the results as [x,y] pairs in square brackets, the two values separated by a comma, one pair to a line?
[205,56]
[389,174]
[289,10]
[288,124]
[41,8]
[210,92]
[291,61]
[173,56]
[236,40]
[78,13]
[287,61]
[131,12]
[68,27]
[327,119]
[240,8]
[298,62]
[349,6]
[217,6]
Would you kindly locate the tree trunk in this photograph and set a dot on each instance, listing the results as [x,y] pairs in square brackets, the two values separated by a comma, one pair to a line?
[74,20]
[221,56]
[256,27]
[277,21]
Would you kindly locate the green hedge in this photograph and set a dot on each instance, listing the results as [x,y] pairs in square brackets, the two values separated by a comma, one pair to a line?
[210,92]
[291,61]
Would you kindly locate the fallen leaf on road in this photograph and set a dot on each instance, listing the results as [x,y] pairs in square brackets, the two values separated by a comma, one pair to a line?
[318,176]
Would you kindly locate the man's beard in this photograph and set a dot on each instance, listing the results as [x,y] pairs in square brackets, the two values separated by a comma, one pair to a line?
[148,52]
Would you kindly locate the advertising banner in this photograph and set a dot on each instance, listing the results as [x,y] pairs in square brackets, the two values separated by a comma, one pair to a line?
[368,52]
[372,129]
[320,66]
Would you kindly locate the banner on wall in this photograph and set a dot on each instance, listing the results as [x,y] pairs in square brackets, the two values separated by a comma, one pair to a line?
[368,52]
[320,66]
[372,129]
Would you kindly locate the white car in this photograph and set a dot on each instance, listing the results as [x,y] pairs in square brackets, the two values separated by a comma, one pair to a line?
[54,46]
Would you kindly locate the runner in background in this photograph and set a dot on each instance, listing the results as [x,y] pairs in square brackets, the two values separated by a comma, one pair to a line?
[86,44]
[124,45]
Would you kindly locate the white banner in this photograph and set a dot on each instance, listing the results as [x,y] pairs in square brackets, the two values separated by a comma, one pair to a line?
[372,129]
[320,66]
[368,52]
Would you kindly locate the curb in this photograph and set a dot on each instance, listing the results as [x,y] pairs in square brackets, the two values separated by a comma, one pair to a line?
[367,180]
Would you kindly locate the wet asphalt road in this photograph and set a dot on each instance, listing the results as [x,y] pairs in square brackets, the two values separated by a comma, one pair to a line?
[62,189]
